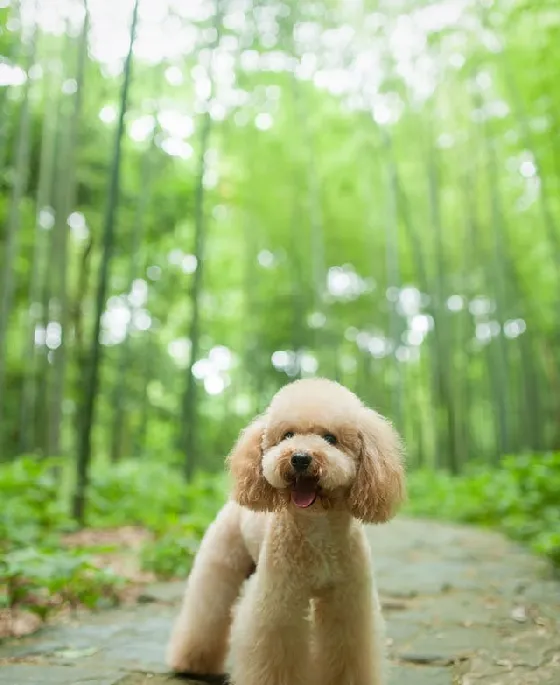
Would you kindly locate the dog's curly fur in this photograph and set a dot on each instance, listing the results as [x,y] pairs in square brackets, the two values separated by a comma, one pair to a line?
[310,614]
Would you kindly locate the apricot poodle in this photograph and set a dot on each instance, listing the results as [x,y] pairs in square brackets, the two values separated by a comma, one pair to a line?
[306,474]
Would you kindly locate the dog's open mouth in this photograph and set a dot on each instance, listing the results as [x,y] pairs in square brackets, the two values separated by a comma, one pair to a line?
[305,491]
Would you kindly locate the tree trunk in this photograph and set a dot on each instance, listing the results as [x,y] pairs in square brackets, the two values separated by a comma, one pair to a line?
[499,359]
[65,202]
[19,188]
[424,283]
[92,377]
[138,231]
[446,406]
[314,210]
[393,276]
[188,438]
[38,266]
[4,104]
[298,285]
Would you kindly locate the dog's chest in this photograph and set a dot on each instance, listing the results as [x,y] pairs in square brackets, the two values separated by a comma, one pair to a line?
[327,564]
[319,552]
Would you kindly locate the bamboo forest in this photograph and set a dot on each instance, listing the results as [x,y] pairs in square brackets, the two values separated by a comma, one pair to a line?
[202,200]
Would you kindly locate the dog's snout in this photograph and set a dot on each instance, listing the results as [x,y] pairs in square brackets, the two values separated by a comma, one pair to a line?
[301,461]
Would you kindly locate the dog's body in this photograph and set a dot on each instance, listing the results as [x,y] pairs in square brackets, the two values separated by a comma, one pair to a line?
[306,474]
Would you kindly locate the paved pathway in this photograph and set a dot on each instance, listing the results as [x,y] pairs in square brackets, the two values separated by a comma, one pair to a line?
[463,607]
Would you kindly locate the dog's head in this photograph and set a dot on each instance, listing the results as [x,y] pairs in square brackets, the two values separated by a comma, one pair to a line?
[316,448]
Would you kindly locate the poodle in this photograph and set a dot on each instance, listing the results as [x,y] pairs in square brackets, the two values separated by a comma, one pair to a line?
[306,474]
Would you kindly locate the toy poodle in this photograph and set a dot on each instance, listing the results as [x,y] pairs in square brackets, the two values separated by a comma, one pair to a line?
[306,474]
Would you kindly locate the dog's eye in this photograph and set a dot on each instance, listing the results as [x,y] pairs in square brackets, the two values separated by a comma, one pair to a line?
[330,438]
[287,435]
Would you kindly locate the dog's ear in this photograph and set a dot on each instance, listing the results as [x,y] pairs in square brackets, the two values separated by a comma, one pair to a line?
[380,484]
[250,487]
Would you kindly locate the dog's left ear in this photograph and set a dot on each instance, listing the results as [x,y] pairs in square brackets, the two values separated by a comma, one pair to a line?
[380,485]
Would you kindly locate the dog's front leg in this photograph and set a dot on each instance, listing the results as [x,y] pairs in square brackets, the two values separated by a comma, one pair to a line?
[349,636]
[199,640]
[270,633]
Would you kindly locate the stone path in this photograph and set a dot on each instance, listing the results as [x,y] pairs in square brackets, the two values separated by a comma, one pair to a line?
[463,607]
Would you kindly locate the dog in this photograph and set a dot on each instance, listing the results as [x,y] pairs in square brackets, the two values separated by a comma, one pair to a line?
[307,474]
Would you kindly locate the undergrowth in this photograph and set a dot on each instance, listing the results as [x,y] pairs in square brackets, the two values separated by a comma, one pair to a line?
[157,498]
[521,498]
[39,573]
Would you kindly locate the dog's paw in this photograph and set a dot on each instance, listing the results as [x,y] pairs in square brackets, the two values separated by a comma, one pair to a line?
[181,661]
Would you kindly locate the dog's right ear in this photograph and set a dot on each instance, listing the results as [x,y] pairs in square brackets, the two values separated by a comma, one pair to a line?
[250,487]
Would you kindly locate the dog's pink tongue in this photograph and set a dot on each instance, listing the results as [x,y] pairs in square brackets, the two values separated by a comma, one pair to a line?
[304,494]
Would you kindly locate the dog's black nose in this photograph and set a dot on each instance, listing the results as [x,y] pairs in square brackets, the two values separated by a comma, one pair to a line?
[301,461]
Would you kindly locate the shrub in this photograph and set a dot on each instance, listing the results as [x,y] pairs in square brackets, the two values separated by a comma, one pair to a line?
[38,574]
[521,498]
[31,507]
[151,494]
[40,580]
[35,573]
[171,555]
[155,496]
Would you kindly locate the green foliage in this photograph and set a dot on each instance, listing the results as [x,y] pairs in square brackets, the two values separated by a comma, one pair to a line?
[31,506]
[35,572]
[520,498]
[39,574]
[41,580]
[323,186]
[172,554]
[153,495]
[373,231]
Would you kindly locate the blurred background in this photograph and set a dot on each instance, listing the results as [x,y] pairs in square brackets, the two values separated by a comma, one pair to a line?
[201,200]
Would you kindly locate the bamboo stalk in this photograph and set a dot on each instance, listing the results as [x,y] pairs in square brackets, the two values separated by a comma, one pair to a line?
[138,233]
[66,199]
[92,379]
[38,266]
[13,224]
[188,437]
